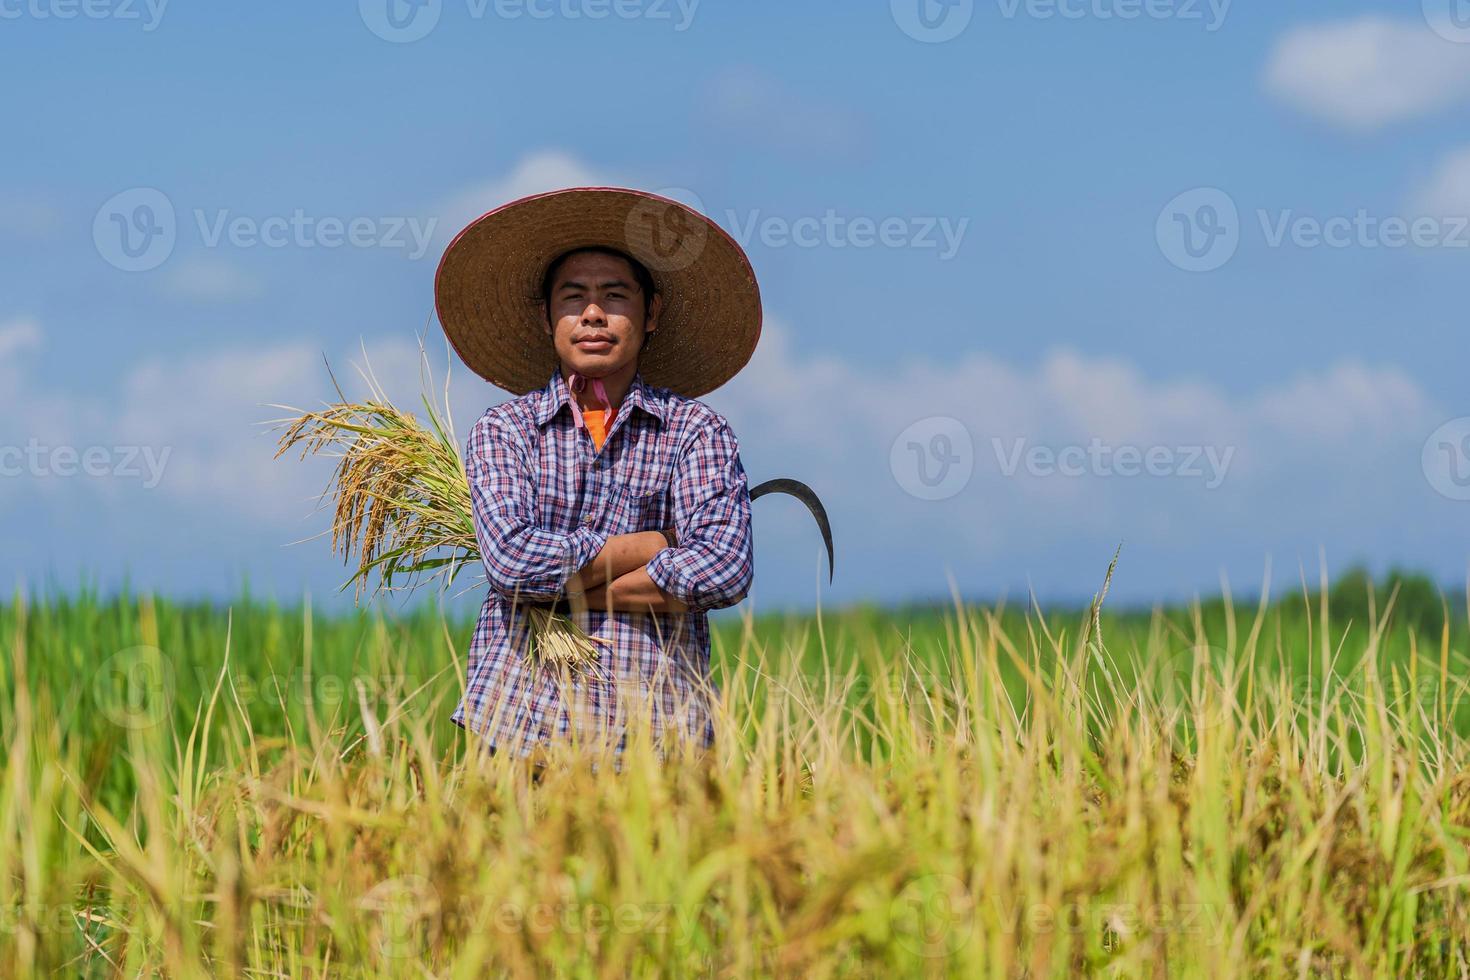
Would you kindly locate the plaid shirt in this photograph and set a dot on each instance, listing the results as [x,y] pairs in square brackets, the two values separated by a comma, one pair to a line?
[545,502]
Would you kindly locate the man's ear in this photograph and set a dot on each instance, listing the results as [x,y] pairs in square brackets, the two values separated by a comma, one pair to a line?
[545,318]
[650,322]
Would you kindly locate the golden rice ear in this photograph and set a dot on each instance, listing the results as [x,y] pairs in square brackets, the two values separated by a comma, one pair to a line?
[402,509]
[401,501]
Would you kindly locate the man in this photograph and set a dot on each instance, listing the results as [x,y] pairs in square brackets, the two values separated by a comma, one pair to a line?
[605,484]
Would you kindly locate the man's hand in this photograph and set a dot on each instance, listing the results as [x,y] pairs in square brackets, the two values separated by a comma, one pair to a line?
[621,554]
[633,592]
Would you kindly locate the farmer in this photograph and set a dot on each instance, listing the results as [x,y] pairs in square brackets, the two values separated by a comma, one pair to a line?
[604,487]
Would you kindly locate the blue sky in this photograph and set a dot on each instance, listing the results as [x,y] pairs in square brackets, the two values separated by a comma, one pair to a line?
[1033,313]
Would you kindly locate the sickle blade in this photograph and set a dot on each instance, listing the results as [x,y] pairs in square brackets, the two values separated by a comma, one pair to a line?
[808,496]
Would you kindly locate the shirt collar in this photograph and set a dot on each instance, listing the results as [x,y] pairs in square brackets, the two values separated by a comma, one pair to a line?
[556,395]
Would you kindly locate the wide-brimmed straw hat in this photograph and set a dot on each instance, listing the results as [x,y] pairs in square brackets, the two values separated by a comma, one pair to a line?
[488,287]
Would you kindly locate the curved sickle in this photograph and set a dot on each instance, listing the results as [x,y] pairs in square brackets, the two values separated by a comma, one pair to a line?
[808,496]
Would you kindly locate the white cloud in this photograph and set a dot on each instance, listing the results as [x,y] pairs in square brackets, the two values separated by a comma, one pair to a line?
[1365,73]
[536,173]
[17,336]
[203,412]
[1347,404]
[1321,455]
[209,408]
[1346,432]
[28,217]
[802,400]
[1447,192]
[750,106]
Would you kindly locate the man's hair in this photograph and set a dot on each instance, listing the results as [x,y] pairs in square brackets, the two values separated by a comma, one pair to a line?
[640,273]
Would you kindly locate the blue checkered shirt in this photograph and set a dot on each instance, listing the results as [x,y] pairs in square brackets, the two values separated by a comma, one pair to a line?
[545,501]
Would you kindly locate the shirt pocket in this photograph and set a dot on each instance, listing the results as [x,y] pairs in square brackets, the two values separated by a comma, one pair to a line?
[637,507]
[642,486]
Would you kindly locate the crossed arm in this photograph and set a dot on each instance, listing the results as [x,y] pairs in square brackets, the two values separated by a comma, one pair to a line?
[710,565]
[618,577]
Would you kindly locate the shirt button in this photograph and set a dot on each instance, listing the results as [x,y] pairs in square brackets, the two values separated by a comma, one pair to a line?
[588,519]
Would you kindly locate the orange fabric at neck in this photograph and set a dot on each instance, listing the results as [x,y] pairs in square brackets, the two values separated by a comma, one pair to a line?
[596,419]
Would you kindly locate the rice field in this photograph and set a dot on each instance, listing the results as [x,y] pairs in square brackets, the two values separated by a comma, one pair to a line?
[1236,788]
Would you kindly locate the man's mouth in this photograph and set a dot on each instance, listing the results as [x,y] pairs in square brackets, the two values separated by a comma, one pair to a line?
[594,344]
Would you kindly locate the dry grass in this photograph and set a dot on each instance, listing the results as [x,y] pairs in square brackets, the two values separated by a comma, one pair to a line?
[992,802]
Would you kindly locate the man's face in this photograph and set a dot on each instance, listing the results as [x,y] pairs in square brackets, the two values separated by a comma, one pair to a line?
[596,314]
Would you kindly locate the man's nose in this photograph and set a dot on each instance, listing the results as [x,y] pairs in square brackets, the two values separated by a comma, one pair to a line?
[593,314]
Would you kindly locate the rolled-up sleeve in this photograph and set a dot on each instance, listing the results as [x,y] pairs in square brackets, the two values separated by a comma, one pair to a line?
[715,562]
[520,558]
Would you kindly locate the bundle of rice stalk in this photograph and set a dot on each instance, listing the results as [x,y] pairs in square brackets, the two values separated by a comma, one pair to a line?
[402,507]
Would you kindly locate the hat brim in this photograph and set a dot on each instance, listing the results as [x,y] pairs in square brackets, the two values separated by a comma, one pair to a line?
[488,286]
